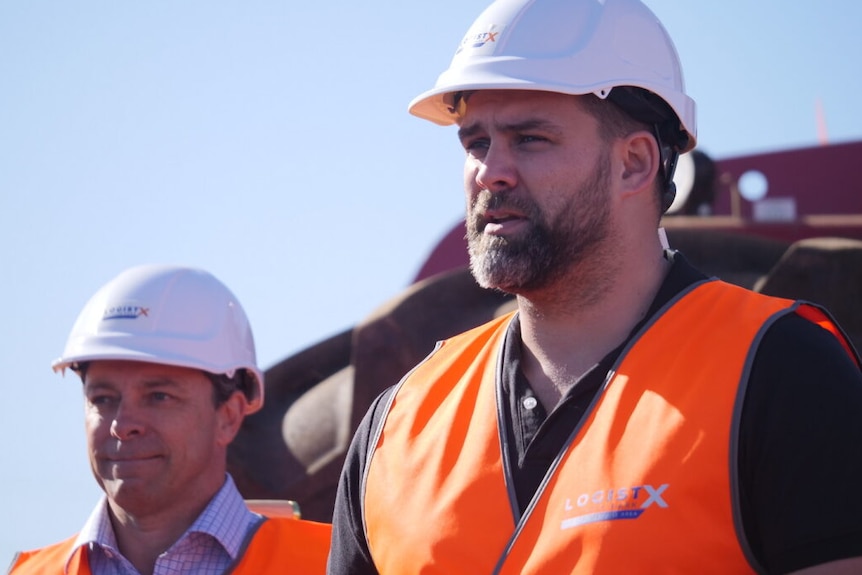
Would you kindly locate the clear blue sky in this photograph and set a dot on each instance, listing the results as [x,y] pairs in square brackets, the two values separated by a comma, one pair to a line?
[268,141]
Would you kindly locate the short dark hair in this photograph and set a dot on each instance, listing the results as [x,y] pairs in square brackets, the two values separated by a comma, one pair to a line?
[613,121]
[224,387]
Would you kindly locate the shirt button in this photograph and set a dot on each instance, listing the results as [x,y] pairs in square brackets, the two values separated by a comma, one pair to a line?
[530,402]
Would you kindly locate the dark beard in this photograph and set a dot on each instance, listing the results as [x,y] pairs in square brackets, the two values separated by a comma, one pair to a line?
[553,245]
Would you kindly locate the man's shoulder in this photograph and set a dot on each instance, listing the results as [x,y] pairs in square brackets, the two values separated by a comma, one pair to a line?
[293,526]
[287,543]
[49,559]
[795,343]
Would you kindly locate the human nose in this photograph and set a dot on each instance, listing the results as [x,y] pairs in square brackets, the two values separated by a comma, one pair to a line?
[496,171]
[126,421]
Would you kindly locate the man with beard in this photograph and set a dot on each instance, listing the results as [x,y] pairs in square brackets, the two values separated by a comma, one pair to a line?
[633,415]
[167,360]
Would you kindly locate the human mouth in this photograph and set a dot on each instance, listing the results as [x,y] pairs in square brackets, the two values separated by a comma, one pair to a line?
[123,464]
[501,222]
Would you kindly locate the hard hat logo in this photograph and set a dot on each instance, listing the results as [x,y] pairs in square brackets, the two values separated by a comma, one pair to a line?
[479,40]
[125,312]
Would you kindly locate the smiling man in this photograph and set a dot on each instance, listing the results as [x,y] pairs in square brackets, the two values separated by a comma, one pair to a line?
[167,359]
[633,415]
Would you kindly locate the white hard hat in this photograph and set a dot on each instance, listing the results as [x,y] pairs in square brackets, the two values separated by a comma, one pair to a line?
[567,46]
[168,315]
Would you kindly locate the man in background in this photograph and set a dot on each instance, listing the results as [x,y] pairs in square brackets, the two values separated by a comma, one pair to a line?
[167,360]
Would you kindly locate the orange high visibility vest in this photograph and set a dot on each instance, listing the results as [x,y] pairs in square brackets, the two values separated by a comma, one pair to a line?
[280,545]
[645,485]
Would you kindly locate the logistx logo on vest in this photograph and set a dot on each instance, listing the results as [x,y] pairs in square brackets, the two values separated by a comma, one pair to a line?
[612,504]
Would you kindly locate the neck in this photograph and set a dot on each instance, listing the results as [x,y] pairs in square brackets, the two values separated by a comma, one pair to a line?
[566,331]
[142,537]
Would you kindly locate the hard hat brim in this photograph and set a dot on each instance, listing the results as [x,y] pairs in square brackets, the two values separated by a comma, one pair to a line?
[433,105]
[107,352]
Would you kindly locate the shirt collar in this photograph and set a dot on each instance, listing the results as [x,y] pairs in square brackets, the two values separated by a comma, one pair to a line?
[226,518]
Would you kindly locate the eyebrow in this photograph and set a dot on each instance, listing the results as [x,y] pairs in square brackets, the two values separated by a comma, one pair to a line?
[97,384]
[156,382]
[526,125]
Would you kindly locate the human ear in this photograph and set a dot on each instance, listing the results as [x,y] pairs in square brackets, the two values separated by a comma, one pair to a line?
[230,415]
[640,160]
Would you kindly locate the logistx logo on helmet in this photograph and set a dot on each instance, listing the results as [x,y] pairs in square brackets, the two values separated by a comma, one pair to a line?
[128,311]
[476,40]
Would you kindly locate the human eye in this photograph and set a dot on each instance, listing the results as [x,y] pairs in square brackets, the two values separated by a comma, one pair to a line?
[101,399]
[475,146]
[531,139]
[474,139]
[160,396]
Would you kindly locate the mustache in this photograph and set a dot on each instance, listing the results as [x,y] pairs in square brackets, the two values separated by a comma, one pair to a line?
[507,199]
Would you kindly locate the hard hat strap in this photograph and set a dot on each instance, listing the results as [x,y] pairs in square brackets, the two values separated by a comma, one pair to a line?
[668,157]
